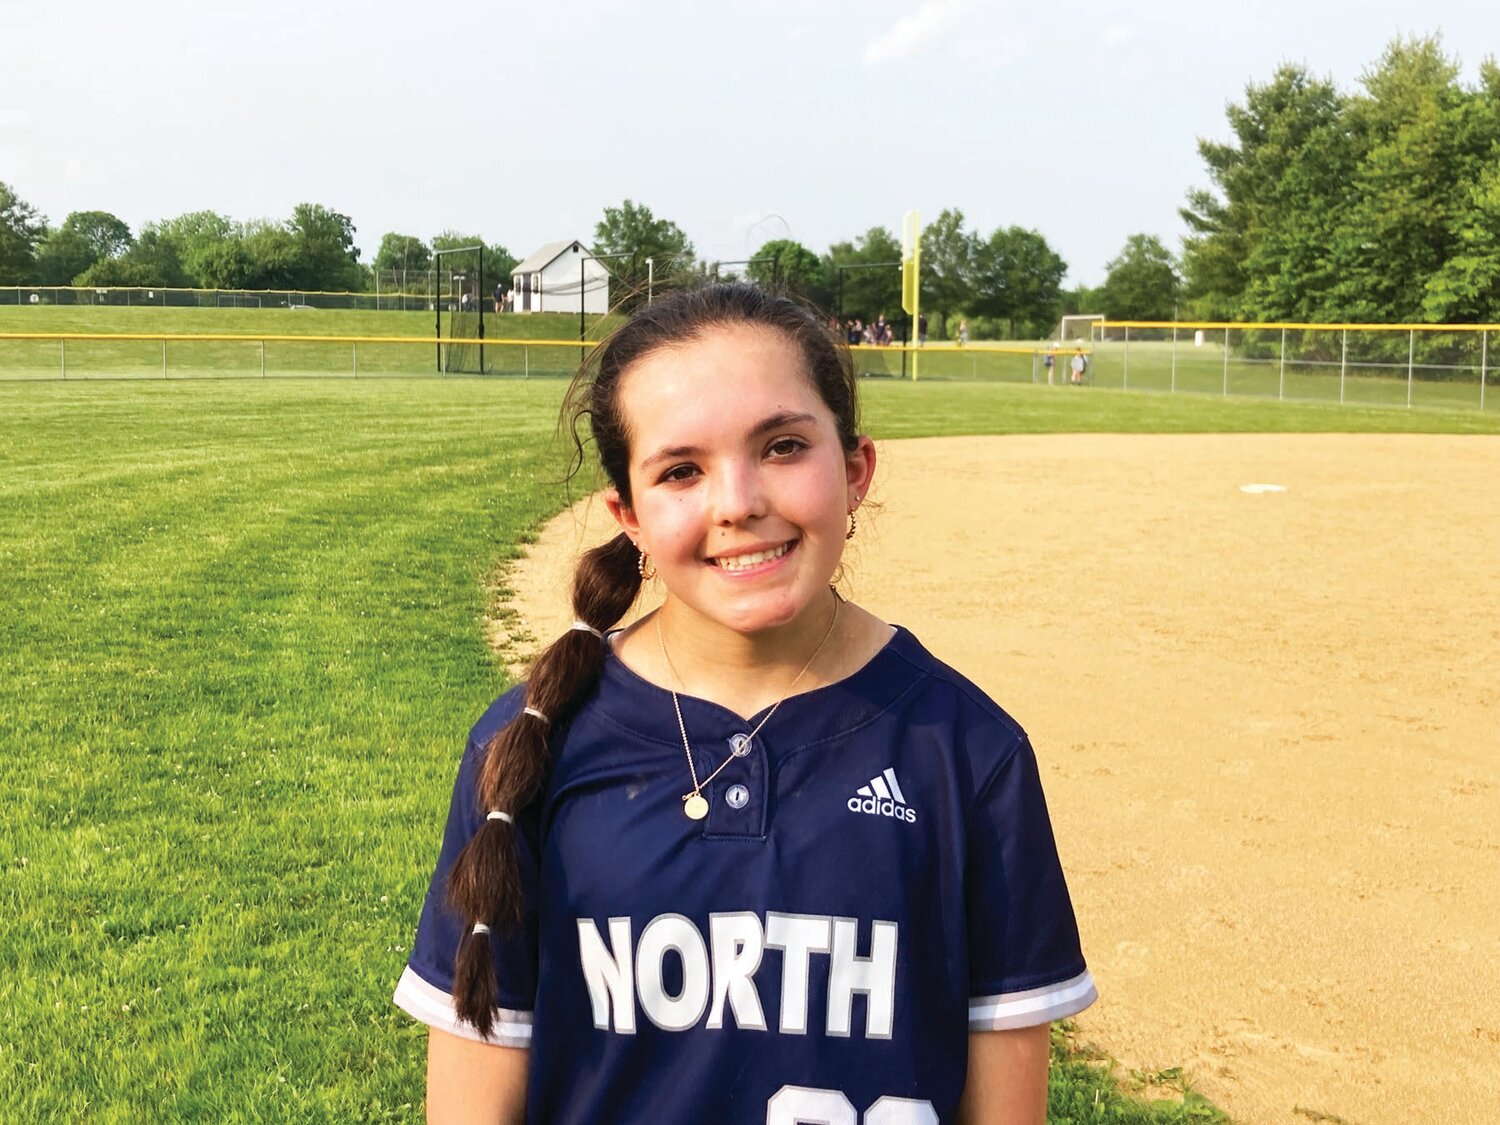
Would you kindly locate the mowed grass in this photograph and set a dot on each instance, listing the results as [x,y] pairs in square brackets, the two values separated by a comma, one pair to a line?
[258,358]
[240,649]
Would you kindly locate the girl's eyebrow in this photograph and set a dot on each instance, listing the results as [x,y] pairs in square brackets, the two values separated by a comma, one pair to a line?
[771,422]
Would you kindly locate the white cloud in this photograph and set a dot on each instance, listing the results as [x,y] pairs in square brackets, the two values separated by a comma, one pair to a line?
[914,30]
[1118,35]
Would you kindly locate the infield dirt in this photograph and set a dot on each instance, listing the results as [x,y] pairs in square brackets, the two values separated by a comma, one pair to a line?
[1269,726]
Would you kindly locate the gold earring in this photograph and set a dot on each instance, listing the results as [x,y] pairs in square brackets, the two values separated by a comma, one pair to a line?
[646,567]
[850,533]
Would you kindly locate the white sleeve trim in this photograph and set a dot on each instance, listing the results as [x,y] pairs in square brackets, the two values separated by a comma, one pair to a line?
[434,1007]
[1032,1006]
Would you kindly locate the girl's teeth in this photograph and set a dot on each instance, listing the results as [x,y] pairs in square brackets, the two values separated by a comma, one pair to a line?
[755,558]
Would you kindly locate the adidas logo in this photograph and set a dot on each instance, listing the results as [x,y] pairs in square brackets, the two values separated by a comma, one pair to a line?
[883,797]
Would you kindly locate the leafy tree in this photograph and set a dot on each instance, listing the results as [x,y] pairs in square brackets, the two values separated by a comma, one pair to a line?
[793,267]
[402,252]
[949,258]
[1142,282]
[153,261]
[873,285]
[323,252]
[1373,206]
[20,230]
[1279,186]
[194,236]
[633,231]
[84,238]
[1018,277]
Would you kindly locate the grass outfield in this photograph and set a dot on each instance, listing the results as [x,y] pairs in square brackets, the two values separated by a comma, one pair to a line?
[240,649]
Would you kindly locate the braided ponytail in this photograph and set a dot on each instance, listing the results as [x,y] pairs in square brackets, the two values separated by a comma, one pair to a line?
[485,883]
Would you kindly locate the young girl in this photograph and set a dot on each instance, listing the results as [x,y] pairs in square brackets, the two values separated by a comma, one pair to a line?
[758,858]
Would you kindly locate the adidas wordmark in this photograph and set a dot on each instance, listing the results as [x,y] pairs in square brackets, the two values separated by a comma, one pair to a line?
[883,797]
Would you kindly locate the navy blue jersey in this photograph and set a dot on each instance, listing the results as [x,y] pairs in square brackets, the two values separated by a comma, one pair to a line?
[875,879]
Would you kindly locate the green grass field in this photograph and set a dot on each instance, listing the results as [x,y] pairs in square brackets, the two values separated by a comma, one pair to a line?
[240,651]
[1145,364]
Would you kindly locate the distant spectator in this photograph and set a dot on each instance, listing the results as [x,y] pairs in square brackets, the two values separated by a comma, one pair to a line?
[1079,365]
[963,332]
[1049,361]
[922,330]
[500,297]
[882,331]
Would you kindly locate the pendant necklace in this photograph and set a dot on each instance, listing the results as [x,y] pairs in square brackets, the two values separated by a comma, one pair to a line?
[694,804]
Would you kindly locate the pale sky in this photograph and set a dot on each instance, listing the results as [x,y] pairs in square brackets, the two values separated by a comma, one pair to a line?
[740,122]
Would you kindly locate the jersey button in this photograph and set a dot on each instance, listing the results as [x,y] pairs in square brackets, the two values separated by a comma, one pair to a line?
[740,745]
[737,796]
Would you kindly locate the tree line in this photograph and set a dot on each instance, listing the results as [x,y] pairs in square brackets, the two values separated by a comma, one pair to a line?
[1379,204]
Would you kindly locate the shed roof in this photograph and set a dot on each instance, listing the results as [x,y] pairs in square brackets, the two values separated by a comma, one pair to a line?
[544,257]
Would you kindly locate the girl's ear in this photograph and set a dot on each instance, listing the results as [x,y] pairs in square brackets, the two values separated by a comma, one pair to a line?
[624,515]
[859,470]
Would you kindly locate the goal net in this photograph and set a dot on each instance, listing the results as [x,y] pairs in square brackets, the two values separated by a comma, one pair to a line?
[1081,328]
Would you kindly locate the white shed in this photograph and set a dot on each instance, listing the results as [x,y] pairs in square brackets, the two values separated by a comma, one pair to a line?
[551,278]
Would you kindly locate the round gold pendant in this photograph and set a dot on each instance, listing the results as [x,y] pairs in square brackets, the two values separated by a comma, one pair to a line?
[696,807]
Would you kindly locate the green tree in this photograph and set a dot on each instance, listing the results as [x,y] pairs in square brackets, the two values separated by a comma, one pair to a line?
[792,267]
[1142,282]
[21,228]
[864,276]
[631,230]
[85,237]
[153,261]
[195,235]
[1262,237]
[950,255]
[1018,277]
[402,252]
[324,256]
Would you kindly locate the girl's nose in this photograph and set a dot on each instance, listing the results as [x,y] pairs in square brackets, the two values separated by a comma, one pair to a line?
[738,495]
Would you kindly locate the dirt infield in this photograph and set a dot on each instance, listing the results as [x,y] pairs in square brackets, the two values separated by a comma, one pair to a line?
[1269,724]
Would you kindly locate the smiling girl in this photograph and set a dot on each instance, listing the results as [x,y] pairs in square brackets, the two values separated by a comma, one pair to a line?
[758,858]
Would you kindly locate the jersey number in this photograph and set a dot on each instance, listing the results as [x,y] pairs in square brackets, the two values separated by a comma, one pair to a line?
[806,1105]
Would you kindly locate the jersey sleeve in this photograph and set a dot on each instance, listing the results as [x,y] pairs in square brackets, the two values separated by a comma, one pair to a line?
[1025,963]
[425,990]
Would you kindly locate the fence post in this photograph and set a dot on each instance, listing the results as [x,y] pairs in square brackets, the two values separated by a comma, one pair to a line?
[164,357]
[262,359]
[1281,379]
[1343,365]
[1226,362]
[1125,382]
[355,345]
[1411,355]
[1174,356]
[62,352]
[1484,357]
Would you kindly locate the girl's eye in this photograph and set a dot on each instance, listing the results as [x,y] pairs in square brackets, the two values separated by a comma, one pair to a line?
[785,447]
[679,473]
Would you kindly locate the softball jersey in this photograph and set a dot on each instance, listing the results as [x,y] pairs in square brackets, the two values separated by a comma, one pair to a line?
[876,878]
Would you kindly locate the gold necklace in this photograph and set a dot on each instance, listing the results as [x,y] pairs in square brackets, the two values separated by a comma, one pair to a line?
[694,804]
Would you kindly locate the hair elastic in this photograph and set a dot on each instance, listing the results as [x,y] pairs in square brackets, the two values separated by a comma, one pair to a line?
[496,814]
[535,714]
[479,928]
[585,627]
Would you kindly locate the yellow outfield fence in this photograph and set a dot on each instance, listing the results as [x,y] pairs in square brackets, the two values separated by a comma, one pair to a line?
[1429,365]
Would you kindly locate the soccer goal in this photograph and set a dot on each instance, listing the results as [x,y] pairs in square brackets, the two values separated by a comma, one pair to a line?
[1080,328]
[238,301]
